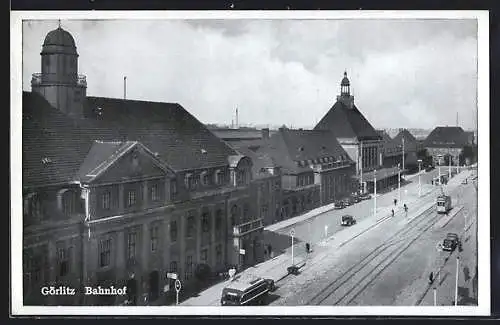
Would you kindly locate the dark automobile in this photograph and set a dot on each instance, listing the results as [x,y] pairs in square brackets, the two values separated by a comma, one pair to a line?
[347,202]
[356,199]
[339,205]
[348,220]
[270,284]
[365,196]
[429,168]
[451,242]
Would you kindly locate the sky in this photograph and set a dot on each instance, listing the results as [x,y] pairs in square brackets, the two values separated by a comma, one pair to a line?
[412,73]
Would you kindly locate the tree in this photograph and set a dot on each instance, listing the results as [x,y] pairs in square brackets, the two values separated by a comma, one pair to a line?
[468,153]
[425,157]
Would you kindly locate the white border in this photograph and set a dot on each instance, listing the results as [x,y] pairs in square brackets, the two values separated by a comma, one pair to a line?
[483,308]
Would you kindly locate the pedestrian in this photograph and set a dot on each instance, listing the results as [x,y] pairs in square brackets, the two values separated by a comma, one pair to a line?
[395,202]
[308,247]
[392,211]
[431,278]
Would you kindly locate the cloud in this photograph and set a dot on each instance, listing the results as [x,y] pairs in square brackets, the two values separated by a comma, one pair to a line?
[403,73]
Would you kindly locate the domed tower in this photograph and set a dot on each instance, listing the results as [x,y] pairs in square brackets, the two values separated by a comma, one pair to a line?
[345,92]
[59,81]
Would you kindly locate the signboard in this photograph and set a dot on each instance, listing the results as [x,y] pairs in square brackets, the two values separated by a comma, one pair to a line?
[172,276]
[177,285]
[292,232]
[166,288]
[232,272]
[242,251]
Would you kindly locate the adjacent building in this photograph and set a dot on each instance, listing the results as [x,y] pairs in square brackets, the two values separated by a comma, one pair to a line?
[360,140]
[446,141]
[392,152]
[315,169]
[411,147]
[119,190]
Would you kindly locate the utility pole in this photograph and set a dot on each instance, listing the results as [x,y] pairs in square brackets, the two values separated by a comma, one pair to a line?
[449,166]
[361,168]
[403,139]
[456,284]
[399,182]
[435,296]
[375,193]
[419,184]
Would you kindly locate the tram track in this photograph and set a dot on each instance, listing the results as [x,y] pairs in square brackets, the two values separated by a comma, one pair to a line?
[326,292]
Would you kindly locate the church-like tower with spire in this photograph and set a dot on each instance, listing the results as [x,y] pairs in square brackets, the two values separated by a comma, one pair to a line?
[59,82]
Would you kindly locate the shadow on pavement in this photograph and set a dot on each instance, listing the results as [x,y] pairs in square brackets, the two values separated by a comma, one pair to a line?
[271,297]
[443,278]
[279,242]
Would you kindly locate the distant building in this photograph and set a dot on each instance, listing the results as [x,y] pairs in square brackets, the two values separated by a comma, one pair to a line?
[241,134]
[115,187]
[411,147]
[446,140]
[392,152]
[359,139]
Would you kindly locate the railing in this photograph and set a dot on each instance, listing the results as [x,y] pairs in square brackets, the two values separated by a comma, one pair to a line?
[248,227]
[38,79]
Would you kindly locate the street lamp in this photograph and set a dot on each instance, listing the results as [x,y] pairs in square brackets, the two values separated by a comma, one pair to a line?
[399,183]
[292,233]
[449,166]
[435,296]
[419,184]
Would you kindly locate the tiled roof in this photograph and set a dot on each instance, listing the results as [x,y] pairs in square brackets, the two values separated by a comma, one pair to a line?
[289,146]
[261,161]
[410,141]
[390,146]
[347,123]
[446,137]
[180,140]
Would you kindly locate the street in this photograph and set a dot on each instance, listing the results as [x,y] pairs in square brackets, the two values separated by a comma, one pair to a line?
[385,264]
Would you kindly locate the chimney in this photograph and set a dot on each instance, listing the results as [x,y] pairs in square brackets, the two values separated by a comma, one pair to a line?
[265,133]
[125,87]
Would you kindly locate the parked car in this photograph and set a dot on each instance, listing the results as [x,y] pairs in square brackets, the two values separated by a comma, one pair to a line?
[365,196]
[451,242]
[347,202]
[348,220]
[270,284]
[356,198]
[339,205]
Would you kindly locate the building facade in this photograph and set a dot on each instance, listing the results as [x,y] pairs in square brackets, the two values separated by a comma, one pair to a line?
[119,191]
[314,169]
[446,141]
[358,138]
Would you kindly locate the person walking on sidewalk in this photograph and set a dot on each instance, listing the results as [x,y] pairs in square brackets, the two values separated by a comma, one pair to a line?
[392,212]
[395,202]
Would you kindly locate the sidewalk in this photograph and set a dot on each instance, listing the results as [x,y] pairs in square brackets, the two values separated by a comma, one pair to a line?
[326,208]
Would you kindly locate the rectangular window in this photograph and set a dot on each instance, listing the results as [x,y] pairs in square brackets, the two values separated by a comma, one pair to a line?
[131,198]
[218,177]
[68,203]
[204,256]
[63,261]
[173,190]
[218,254]
[205,179]
[105,252]
[190,230]
[173,231]
[189,267]
[106,200]
[173,267]
[205,223]
[154,237]
[33,267]
[154,193]
[131,245]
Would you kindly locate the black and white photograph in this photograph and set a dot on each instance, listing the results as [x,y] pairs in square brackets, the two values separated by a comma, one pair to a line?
[250,163]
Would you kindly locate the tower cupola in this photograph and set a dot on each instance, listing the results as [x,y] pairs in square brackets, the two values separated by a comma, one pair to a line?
[345,92]
[59,81]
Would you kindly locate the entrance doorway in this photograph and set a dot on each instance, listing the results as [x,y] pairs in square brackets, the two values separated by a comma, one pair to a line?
[154,285]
